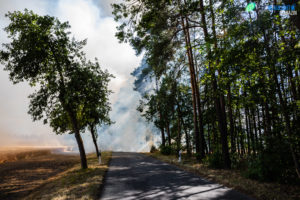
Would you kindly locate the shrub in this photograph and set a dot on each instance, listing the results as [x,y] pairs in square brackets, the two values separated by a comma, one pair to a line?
[273,164]
[214,160]
[165,150]
[153,149]
[254,168]
[238,162]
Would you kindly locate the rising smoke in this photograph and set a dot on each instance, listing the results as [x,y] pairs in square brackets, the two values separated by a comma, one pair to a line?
[130,132]
[89,19]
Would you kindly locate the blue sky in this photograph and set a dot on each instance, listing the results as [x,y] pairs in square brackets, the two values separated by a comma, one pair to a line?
[89,19]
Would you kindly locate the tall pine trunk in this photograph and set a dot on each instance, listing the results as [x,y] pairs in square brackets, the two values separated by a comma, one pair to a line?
[232,131]
[163,138]
[178,135]
[197,94]
[219,98]
[199,150]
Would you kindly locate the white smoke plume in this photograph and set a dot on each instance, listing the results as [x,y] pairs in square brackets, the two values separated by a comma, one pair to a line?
[92,20]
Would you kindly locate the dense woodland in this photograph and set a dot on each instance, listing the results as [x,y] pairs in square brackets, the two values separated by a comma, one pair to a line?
[219,82]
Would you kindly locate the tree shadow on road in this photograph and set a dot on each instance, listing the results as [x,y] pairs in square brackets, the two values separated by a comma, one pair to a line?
[135,176]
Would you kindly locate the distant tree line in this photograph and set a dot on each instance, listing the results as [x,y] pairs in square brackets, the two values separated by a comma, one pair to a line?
[225,82]
[71,92]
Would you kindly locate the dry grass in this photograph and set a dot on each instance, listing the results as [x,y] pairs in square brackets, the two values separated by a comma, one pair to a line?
[234,179]
[23,170]
[75,183]
[21,154]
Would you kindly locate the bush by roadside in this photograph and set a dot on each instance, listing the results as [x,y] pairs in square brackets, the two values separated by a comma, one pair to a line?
[153,149]
[165,150]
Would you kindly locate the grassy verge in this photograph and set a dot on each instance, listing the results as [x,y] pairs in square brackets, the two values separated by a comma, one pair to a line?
[234,179]
[75,183]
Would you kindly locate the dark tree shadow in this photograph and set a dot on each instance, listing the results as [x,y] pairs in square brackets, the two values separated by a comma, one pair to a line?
[136,176]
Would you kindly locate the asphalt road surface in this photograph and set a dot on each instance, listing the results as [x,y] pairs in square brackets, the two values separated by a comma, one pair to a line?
[137,176]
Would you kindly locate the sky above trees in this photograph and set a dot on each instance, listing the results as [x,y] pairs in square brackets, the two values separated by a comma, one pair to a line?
[92,20]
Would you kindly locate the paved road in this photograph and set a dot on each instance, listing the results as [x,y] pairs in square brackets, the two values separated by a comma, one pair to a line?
[137,176]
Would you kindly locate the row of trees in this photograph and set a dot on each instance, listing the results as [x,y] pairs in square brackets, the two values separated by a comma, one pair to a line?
[71,92]
[225,82]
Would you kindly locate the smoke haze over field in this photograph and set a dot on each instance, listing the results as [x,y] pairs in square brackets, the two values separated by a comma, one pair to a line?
[92,20]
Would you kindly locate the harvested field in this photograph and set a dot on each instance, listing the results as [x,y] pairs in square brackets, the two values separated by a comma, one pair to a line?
[23,170]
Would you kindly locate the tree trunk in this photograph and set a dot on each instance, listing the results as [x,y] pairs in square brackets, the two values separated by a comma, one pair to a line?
[187,137]
[181,123]
[187,141]
[232,134]
[199,109]
[168,133]
[297,78]
[194,88]
[215,135]
[73,118]
[93,133]
[247,130]
[208,138]
[79,141]
[224,140]
[251,133]
[241,134]
[178,135]
[81,150]
[255,130]
[163,139]
[259,130]
[219,98]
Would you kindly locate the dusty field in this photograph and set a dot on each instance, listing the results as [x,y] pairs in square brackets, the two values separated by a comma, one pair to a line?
[22,170]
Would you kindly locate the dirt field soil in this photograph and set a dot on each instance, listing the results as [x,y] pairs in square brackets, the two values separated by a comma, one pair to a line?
[29,169]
